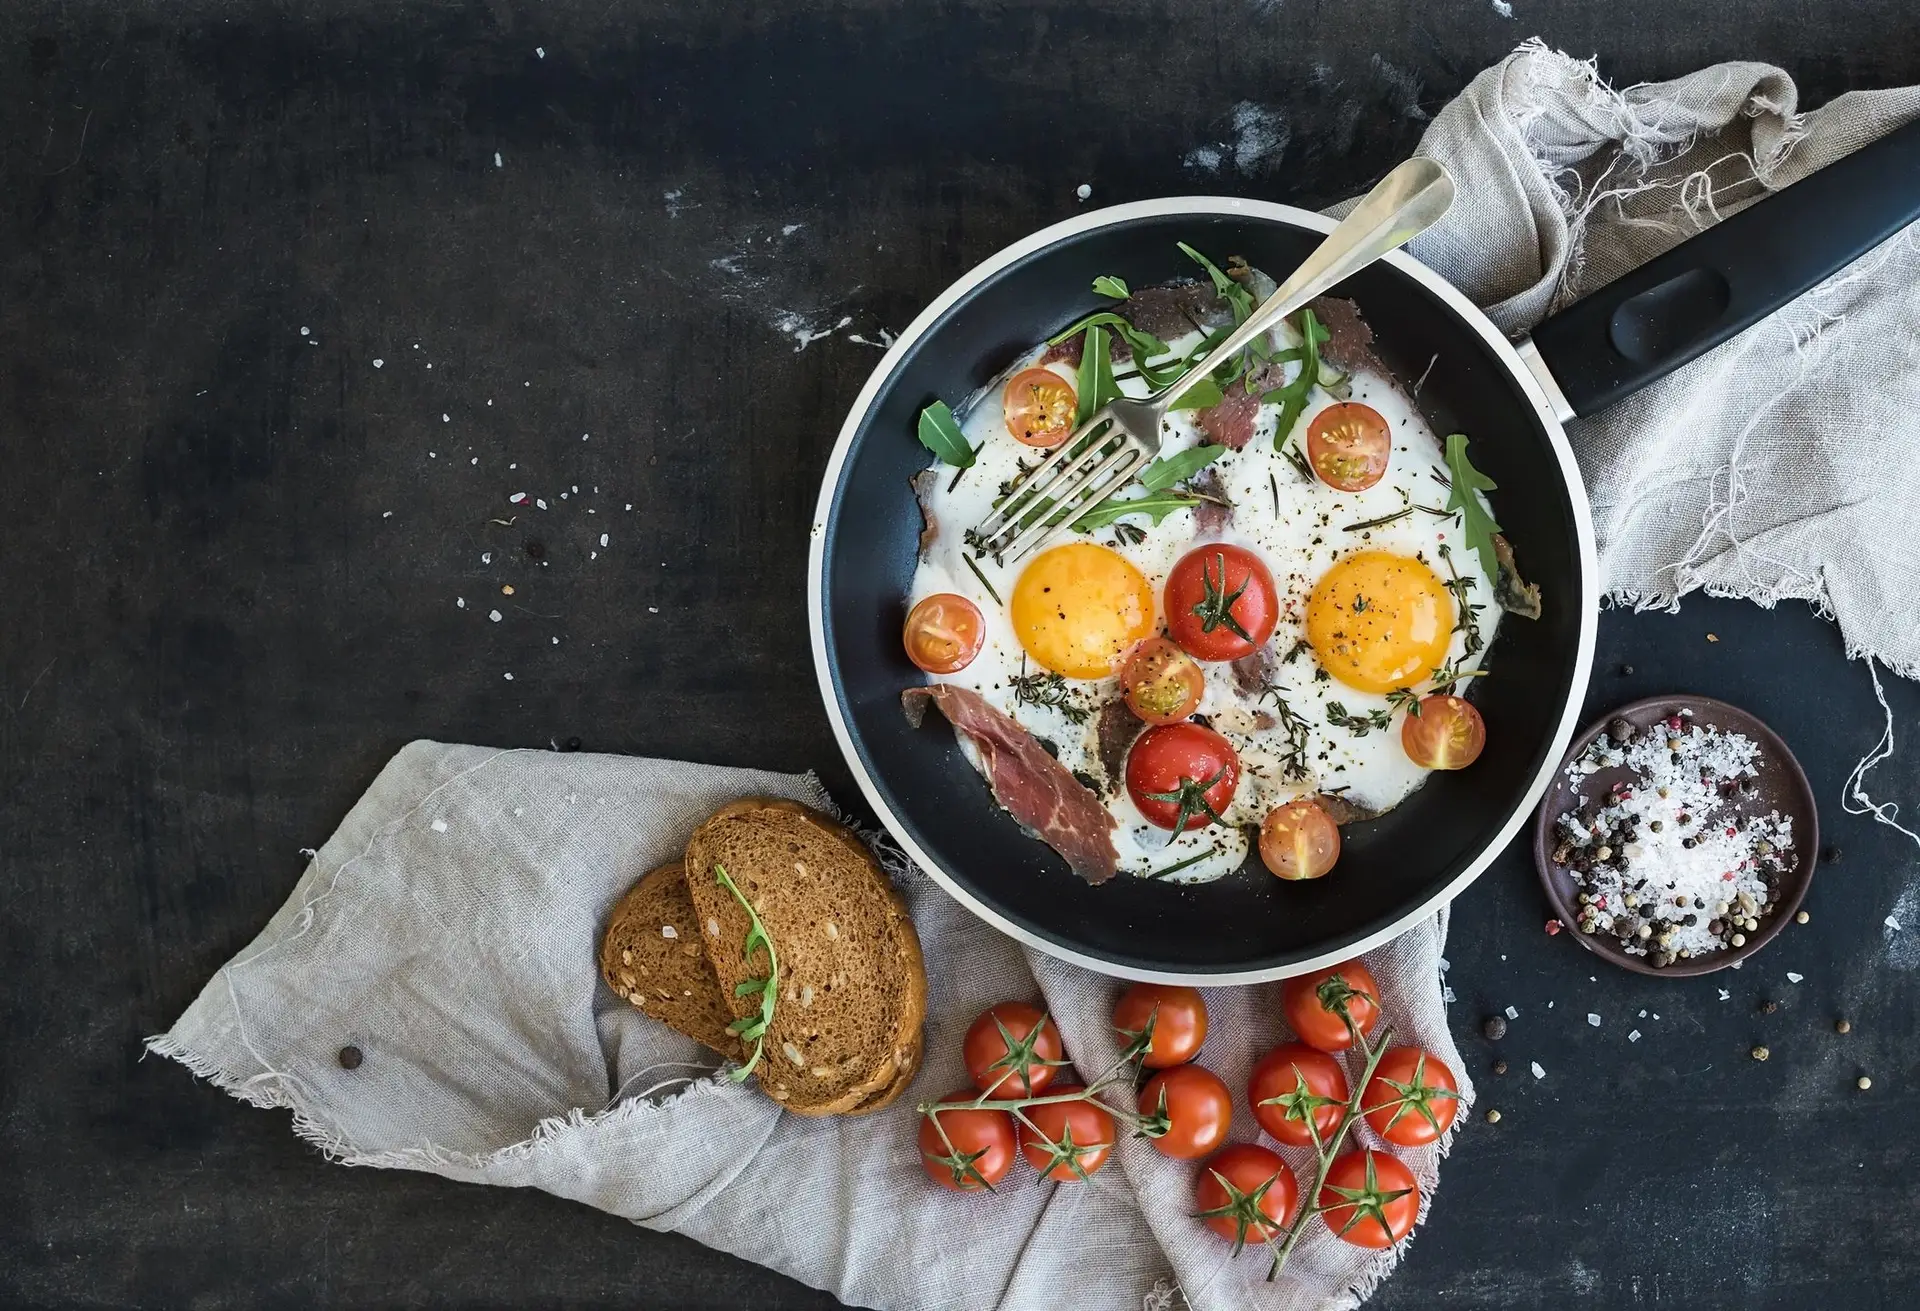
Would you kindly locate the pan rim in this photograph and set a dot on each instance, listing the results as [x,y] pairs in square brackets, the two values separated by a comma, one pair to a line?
[1470,317]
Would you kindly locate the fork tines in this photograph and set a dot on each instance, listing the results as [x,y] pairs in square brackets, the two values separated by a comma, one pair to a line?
[1091,465]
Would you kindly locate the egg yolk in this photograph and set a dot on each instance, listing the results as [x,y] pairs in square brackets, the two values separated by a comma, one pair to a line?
[1378,621]
[1079,608]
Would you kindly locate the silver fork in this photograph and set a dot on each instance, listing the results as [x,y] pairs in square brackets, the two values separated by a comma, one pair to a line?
[1079,474]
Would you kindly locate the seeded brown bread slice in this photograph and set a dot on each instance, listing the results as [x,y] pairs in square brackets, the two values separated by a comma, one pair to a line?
[853,988]
[651,956]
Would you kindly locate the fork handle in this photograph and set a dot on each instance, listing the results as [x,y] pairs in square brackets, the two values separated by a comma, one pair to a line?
[1401,205]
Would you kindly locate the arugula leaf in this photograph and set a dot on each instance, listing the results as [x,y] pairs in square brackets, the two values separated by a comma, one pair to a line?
[1143,344]
[1238,298]
[1155,505]
[1164,473]
[1097,386]
[940,433]
[1202,394]
[1293,396]
[1114,287]
[1467,480]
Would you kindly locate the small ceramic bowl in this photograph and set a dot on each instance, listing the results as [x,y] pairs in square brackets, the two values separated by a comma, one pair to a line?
[1781,786]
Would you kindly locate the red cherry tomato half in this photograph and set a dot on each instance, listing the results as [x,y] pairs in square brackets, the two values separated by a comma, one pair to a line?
[1292,1082]
[1311,1001]
[1067,1140]
[1182,776]
[1040,406]
[1246,1194]
[944,633]
[966,1149]
[1348,445]
[1412,1098]
[1443,732]
[1370,1199]
[1220,602]
[1161,683]
[1192,1106]
[1022,1068]
[1299,840]
[1178,1015]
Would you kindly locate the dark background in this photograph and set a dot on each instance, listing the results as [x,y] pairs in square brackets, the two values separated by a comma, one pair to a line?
[212,634]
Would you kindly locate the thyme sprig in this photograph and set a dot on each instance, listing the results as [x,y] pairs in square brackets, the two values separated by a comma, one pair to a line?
[752,1028]
[1048,689]
[1299,732]
[1467,621]
[1359,725]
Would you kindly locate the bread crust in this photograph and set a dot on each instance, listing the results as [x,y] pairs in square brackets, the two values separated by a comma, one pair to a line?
[897,1066]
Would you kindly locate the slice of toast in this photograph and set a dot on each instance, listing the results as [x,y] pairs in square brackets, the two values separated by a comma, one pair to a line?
[652,957]
[852,992]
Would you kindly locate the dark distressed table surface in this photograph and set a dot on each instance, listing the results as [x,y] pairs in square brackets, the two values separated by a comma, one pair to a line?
[292,297]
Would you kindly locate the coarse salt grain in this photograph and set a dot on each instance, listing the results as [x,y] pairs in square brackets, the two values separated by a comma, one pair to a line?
[1725,995]
[668,931]
[494,615]
[1538,1073]
[603,539]
[1512,1014]
[439,826]
[518,498]
[509,678]
[1593,1019]
[379,364]
[1634,1036]
[539,504]
[1794,978]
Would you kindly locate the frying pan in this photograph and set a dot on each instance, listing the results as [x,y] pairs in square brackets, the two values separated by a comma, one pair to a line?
[1511,398]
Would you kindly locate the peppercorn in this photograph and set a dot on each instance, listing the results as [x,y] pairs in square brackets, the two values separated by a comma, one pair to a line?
[1493,1116]
[1495,1027]
[1499,1067]
[1802,918]
[1831,855]
[1769,1007]
[1863,1083]
[1841,1026]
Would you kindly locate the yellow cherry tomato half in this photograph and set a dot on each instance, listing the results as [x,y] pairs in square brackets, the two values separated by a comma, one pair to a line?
[1040,407]
[944,633]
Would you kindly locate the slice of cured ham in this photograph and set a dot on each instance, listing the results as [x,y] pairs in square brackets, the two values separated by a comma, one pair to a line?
[1036,789]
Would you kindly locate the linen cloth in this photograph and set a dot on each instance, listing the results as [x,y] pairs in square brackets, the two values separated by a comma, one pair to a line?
[449,931]
[1780,465]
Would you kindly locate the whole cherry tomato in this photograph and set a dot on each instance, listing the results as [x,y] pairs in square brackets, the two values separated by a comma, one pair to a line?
[1012,1050]
[1178,1015]
[1370,1199]
[1412,1098]
[1246,1194]
[1312,1002]
[1067,1140]
[966,1149]
[1220,602]
[1182,776]
[1193,1106]
[1291,1083]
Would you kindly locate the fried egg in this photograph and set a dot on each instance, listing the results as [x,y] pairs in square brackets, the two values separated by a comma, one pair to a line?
[1376,590]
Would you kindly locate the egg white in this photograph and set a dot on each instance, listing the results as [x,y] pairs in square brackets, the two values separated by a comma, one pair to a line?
[1297,527]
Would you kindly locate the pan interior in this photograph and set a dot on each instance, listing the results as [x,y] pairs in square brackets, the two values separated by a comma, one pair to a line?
[1247,922]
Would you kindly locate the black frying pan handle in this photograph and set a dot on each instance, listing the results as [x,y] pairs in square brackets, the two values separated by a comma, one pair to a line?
[1643,326]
